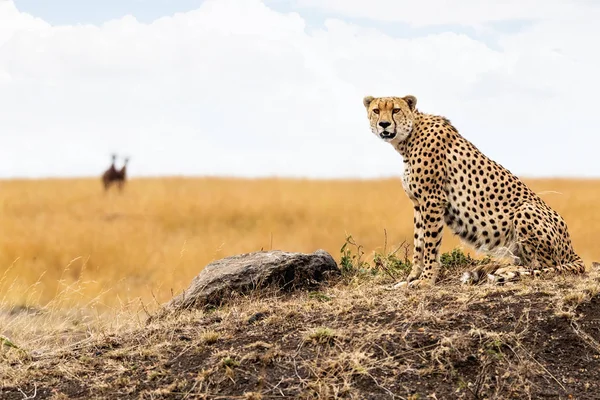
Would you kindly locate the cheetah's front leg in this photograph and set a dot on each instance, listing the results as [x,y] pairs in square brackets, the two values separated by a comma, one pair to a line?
[417,262]
[432,225]
[417,259]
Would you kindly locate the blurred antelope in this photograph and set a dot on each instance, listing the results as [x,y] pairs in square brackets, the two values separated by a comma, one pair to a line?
[114,175]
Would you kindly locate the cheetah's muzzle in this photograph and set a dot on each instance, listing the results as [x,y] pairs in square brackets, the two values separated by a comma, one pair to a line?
[387,135]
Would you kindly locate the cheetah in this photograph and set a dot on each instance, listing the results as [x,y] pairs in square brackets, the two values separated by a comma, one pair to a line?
[451,183]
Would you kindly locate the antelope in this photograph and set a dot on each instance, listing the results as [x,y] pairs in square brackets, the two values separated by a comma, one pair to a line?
[114,175]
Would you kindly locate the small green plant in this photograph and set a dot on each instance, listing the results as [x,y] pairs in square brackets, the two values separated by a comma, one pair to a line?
[458,259]
[494,349]
[229,362]
[352,262]
[6,342]
[392,263]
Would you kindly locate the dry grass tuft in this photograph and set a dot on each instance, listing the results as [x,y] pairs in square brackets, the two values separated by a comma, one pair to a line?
[321,335]
[209,337]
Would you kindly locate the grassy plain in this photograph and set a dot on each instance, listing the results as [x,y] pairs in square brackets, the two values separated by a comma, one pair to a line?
[68,242]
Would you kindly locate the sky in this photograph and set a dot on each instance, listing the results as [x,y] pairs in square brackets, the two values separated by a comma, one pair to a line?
[256,88]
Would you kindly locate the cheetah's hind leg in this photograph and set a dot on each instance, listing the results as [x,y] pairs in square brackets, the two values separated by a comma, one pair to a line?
[497,274]
[493,273]
[510,273]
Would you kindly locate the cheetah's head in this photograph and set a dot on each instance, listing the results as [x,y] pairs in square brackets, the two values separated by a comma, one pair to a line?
[391,118]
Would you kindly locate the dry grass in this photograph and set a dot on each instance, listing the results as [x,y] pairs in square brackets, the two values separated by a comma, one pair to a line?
[65,243]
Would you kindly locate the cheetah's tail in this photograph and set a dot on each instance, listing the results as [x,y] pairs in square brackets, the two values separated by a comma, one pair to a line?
[497,274]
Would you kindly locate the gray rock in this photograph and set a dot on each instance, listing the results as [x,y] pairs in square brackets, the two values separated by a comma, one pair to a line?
[245,273]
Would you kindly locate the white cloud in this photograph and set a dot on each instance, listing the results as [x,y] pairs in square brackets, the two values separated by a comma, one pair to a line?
[12,21]
[237,88]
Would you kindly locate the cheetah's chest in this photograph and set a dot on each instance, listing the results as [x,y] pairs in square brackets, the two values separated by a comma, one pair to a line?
[406,181]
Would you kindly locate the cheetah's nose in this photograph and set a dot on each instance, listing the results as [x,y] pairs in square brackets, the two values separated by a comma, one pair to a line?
[384,124]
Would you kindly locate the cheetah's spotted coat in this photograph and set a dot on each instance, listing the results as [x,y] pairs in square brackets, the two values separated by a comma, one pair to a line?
[450,182]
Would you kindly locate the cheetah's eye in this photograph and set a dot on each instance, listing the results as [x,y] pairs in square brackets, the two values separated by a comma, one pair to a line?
[375,111]
[395,111]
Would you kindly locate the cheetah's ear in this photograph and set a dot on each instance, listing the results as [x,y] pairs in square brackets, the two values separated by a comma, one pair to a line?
[367,100]
[411,101]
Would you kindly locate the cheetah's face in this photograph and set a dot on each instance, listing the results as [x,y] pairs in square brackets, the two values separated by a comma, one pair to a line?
[391,118]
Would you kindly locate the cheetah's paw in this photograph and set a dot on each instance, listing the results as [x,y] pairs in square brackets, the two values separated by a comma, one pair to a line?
[420,283]
[417,283]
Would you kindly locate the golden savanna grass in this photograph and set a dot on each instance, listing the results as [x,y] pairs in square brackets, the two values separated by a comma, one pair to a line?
[67,239]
